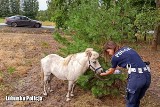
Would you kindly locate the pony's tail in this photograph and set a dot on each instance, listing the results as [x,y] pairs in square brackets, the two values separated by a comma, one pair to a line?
[41,73]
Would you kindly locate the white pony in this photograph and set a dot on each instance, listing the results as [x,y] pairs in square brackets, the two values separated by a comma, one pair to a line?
[69,68]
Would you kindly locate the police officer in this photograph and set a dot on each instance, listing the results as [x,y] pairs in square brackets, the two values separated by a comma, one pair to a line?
[139,77]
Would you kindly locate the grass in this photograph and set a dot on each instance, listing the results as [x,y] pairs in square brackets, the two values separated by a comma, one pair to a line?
[48,23]
[2,20]
[11,70]
[1,74]
[1,86]
[45,44]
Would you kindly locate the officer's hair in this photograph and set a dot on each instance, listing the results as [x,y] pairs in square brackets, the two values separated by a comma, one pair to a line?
[110,45]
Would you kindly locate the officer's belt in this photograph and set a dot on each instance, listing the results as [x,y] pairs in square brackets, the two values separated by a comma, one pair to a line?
[139,70]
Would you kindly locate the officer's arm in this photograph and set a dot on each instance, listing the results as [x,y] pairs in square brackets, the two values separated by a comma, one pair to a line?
[107,72]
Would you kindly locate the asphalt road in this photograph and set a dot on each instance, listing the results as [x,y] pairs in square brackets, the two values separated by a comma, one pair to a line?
[49,27]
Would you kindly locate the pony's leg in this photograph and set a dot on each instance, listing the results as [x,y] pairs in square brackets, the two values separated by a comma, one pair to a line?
[70,84]
[45,84]
[49,83]
[73,87]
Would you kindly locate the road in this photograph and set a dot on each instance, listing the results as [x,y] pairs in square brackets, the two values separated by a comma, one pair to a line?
[49,27]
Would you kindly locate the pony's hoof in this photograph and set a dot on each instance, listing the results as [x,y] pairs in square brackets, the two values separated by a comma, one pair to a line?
[72,95]
[68,99]
[45,94]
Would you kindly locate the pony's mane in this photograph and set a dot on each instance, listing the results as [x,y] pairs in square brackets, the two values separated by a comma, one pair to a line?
[68,59]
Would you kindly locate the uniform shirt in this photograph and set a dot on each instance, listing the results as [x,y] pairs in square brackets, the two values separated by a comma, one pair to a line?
[127,55]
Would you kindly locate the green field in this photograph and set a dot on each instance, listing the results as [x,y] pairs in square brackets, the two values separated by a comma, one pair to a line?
[1,20]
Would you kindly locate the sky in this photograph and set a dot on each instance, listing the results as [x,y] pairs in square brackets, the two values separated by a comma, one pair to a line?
[42,4]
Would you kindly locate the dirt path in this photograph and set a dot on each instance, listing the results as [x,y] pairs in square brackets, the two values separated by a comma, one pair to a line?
[154,58]
[20,55]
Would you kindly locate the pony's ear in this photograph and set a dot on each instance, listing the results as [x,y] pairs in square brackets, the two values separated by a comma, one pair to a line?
[88,52]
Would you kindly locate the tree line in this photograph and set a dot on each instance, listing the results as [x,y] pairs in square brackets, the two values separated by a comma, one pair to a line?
[19,7]
[123,17]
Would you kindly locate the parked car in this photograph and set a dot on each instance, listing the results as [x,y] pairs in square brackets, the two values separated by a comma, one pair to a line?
[15,21]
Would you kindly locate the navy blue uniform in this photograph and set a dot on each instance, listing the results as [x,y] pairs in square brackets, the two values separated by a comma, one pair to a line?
[139,77]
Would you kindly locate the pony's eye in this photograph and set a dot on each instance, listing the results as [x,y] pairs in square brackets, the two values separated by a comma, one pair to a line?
[94,62]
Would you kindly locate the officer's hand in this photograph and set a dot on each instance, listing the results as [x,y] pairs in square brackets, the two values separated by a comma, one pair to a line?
[103,73]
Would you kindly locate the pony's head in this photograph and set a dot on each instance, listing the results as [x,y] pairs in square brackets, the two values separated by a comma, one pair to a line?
[93,62]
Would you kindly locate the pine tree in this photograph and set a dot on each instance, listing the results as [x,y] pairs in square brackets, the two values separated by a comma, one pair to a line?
[15,7]
[4,8]
[30,8]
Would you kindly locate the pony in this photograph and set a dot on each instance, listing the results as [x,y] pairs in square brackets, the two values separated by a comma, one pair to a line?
[69,68]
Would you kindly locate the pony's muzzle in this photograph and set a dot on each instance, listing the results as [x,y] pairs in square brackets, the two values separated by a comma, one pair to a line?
[99,70]
[102,71]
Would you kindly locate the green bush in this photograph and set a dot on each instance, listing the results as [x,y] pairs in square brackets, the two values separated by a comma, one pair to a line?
[96,24]
[145,21]
[101,87]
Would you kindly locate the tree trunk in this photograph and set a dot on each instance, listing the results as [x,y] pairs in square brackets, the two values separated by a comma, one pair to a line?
[156,37]
[154,42]
[158,34]
[158,29]
[145,36]
[157,3]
